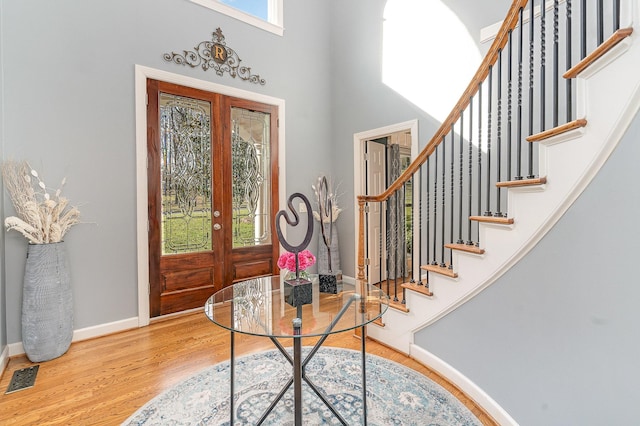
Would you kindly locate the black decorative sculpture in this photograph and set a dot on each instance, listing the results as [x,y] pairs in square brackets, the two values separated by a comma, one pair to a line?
[328,281]
[298,291]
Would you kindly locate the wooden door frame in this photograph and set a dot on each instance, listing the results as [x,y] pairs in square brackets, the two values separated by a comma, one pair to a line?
[359,178]
[143,73]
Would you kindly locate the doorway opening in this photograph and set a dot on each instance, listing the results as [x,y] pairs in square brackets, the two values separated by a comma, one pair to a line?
[380,155]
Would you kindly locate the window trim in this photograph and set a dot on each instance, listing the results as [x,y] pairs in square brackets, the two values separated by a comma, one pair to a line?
[275,24]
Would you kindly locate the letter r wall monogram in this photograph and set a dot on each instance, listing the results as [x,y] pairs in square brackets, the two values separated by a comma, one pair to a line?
[215,54]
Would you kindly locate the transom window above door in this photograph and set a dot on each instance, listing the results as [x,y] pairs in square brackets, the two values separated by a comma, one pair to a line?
[264,14]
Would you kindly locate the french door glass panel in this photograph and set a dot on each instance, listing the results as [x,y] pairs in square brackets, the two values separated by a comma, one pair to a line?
[251,177]
[185,156]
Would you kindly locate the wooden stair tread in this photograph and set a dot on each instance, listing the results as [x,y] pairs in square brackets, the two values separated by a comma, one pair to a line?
[378,322]
[493,219]
[466,248]
[581,122]
[418,288]
[615,38]
[398,305]
[522,182]
[442,270]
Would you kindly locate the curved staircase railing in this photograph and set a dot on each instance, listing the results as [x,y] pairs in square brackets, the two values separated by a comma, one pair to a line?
[522,93]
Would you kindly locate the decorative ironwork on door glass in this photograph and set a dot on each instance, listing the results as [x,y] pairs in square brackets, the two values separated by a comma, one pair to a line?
[185,156]
[251,177]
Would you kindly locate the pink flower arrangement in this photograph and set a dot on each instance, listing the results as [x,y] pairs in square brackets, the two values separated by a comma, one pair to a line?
[287,260]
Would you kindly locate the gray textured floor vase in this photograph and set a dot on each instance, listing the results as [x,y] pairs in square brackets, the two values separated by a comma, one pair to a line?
[47,303]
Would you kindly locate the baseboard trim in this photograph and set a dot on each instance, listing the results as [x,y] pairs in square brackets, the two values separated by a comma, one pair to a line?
[86,333]
[464,384]
[348,280]
[104,329]
[4,359]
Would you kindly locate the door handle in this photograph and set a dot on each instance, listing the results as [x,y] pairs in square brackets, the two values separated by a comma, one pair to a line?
[216,226]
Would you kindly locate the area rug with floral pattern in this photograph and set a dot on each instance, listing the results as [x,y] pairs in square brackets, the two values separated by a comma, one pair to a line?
[396,395]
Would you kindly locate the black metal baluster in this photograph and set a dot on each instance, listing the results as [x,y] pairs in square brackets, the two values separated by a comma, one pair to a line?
[543,98]
[600,22]
[556,64]
[600,13]
[519,119]
[404,232]
[428,236]
[413,232]
[616,15]
[479,159]
[435,207]
[381,204]
[531,74]
[451,222]
[388,245]
[461,180]
[569,81]
[396,260]
[489,122]
[420,218]
[469,240]
[498,212]
[583,29]
[444,207]
[509,103]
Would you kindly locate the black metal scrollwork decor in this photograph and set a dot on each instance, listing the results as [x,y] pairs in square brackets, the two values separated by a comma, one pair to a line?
[217,55]
[294,222]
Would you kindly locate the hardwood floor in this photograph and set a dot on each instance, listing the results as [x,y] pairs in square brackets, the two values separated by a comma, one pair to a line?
[104,380]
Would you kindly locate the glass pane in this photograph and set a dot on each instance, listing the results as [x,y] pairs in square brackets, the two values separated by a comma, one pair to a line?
[185,156]
[257,8]
[251,177]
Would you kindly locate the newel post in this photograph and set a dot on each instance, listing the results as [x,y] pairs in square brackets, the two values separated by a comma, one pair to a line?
[361,208]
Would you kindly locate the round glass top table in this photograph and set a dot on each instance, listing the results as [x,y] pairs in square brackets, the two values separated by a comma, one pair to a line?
[277,309]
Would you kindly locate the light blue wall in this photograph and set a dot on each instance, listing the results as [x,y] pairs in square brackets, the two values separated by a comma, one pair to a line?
[3,298]
[556,340]
[360,99]
[68,97]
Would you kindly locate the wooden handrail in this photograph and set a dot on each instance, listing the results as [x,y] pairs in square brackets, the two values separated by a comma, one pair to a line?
[489,60]
[501,39]
[615,38]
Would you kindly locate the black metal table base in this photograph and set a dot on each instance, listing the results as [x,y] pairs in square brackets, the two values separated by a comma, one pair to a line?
[299,375]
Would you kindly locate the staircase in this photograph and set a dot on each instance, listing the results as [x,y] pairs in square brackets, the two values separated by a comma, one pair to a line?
[539,119]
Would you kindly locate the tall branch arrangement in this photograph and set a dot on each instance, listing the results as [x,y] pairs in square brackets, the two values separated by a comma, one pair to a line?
[41,217]
[325,207]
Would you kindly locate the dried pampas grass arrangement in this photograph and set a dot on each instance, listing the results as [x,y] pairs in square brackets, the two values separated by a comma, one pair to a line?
[41,217]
